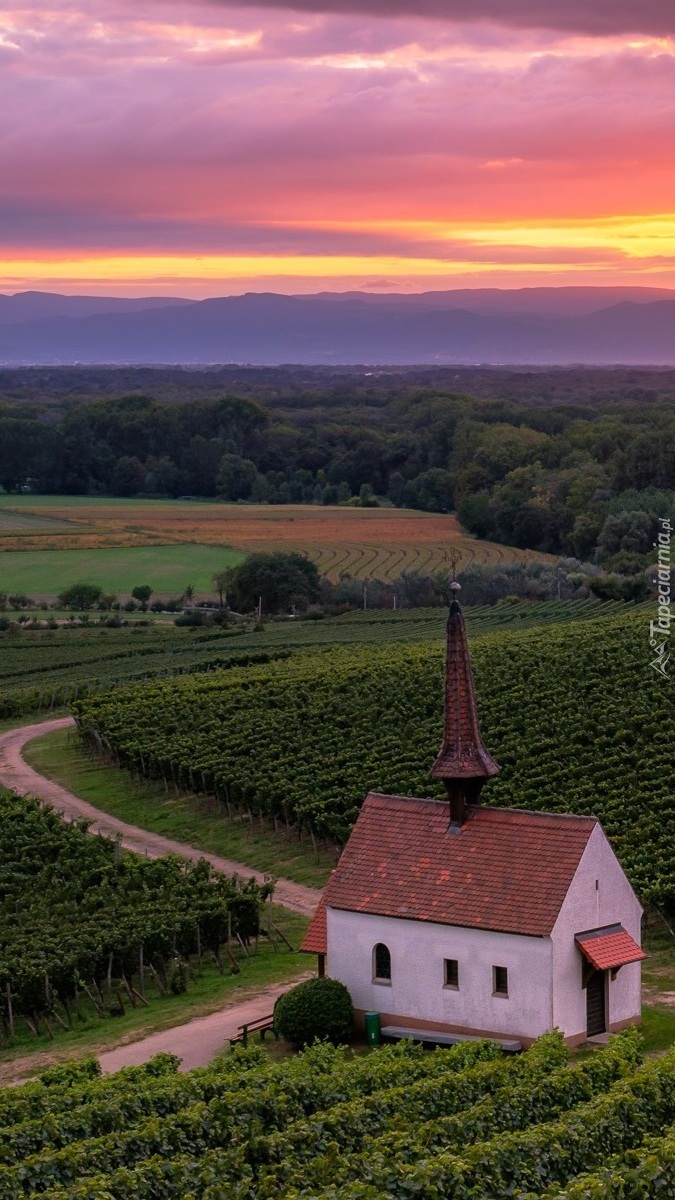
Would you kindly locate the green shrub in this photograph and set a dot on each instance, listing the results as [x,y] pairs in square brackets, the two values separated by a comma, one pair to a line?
[71,1073]
[191,619]
[318,1008]
[79,597]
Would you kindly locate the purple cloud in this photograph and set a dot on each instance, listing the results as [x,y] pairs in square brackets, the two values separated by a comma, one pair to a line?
[602,17]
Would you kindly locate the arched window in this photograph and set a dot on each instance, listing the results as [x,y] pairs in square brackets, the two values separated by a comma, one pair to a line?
[382,963]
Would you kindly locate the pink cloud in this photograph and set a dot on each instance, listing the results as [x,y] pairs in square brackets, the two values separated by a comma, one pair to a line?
[209,128]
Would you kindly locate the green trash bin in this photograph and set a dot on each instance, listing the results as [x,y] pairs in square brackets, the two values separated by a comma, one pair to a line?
[373,1032]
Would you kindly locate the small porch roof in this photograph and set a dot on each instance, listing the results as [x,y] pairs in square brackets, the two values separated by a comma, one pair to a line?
[608,947]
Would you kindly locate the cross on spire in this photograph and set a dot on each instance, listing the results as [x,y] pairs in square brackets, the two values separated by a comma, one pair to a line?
[463,762]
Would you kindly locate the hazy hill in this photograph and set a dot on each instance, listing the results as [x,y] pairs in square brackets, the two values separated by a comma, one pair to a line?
[570,301]
[36,306]
[534,326]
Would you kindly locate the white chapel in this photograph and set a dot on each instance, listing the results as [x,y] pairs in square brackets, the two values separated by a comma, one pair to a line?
[455,917]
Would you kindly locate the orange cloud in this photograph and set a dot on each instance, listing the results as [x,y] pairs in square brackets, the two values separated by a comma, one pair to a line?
[233,144]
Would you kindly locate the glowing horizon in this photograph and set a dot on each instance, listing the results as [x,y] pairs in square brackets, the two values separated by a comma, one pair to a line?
[217,147]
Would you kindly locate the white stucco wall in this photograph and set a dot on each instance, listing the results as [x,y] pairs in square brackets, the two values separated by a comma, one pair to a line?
[545,974]
[589,907]
[418,949]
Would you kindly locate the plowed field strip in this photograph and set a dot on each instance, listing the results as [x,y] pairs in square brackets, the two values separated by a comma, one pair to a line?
[381,564]
[378,543]
[396,562]
[338,566]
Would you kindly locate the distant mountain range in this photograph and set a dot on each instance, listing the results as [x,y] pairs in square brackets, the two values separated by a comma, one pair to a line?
[535,326]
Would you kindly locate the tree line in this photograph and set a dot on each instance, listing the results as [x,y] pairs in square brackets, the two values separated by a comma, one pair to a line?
[289,583]
[584,480]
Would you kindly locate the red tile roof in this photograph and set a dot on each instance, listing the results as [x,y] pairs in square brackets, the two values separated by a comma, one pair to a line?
[316,937]
[462,754]
[504,870]
[609,947]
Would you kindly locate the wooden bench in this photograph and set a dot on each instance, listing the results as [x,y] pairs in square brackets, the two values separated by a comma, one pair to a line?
[262,1026]
[508,1045]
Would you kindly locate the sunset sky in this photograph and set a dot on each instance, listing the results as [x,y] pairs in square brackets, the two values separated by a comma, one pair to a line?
[180,147]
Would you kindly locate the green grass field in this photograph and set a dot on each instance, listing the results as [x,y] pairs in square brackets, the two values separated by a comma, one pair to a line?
[167,569]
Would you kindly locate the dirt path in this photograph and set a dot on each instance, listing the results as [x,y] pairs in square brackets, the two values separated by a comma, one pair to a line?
[16,774]
[197,1042]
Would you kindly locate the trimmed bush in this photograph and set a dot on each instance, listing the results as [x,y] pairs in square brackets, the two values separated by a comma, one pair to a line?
[317,1008]
[191,619]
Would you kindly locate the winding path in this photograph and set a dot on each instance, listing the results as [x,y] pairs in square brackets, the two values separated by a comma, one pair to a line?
[16,774]
[197,1041]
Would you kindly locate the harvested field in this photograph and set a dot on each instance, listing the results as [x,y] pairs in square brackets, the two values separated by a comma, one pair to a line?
[375,542]
[14,524]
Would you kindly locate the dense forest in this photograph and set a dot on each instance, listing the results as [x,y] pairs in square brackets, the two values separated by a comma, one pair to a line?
[578,463]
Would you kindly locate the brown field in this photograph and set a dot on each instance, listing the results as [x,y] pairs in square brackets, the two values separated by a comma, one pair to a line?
[19,524]
[370,542]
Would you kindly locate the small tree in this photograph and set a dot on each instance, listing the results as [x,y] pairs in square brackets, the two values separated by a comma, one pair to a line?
[279,579]
[366,497]
[142,594]
[317,1008]
[221,582]
[19,600]
[80,597]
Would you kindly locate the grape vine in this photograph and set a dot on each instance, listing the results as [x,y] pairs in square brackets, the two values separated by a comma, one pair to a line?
[80,918]
[574,715]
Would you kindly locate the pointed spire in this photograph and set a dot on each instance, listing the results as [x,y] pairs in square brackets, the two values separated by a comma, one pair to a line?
[462,763]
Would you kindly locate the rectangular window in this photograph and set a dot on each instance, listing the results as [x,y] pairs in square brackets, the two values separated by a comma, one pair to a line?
[500,981]
[451,972]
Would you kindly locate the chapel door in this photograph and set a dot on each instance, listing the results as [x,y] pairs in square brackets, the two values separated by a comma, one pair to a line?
[596,1017]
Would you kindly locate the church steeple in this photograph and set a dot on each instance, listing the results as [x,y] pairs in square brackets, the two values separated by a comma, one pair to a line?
[462,763]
